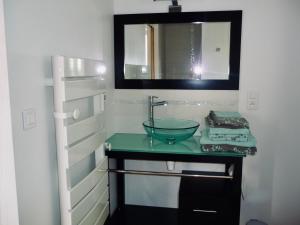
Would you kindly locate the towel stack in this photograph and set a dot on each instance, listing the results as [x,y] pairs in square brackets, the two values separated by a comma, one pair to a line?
[227,132]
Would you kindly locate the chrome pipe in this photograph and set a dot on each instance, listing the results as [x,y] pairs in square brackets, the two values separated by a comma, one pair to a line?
[151,105]
[166,174]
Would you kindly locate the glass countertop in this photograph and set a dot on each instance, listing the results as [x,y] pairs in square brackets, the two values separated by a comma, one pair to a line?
[128,142]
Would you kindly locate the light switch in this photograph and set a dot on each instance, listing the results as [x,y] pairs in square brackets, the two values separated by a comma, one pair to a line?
[29,119]
[253,100]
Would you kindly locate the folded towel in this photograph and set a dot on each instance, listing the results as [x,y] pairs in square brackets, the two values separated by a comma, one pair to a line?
[204,140]
[226,114]
[235,121]
[229,148]
[213,129]
[228,137]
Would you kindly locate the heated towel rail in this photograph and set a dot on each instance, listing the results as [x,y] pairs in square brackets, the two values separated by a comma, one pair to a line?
[79,95]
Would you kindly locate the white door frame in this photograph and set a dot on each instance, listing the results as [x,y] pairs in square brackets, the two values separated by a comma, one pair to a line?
[8,193]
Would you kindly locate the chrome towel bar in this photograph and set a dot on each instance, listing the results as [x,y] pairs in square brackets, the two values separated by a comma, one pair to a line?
[166,174]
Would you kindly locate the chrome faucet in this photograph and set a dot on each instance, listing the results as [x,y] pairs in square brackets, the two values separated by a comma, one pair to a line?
[151,104]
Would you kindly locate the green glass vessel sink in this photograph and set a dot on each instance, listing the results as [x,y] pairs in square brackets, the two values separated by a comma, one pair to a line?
[171,131]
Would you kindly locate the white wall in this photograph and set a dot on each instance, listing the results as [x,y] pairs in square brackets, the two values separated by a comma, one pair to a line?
[36,30]
[269,65]
[8,190]
[286,183]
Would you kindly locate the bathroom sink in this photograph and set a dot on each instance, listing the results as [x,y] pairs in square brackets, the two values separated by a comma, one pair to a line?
[171,131]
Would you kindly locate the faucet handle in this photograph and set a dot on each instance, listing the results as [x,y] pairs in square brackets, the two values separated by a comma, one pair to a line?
[152,97]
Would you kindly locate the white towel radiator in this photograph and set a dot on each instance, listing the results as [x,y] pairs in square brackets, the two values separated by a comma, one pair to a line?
[79,95]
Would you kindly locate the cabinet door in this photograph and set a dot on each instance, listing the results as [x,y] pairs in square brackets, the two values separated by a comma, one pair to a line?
[205,201]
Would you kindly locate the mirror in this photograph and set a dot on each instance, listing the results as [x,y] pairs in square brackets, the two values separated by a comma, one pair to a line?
[179,51]
[197,50]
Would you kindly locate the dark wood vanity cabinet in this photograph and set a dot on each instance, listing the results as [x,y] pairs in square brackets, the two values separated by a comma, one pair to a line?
[210,198]
[206,201]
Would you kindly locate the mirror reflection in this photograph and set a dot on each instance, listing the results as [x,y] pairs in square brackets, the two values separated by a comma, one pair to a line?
[179,51]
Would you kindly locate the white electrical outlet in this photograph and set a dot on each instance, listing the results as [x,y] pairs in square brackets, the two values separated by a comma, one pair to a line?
[253,100]
[29,119]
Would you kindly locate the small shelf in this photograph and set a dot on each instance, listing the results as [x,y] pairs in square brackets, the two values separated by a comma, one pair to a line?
[144,215]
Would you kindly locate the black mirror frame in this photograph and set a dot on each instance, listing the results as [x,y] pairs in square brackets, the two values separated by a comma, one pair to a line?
[235,17]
